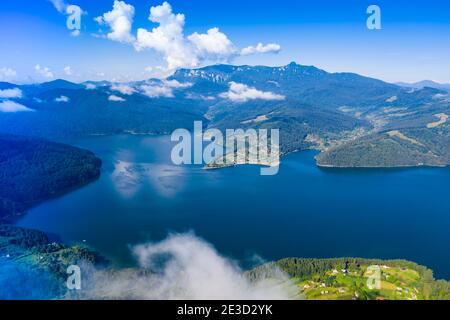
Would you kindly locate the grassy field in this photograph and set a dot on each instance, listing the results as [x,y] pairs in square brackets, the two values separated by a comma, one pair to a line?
[393,284]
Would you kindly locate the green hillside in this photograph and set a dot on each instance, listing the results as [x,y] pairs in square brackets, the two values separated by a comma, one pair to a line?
[34,170]
[352,279]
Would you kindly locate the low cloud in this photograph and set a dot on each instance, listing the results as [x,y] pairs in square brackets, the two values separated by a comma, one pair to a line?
[261,48]
[115,98]
[62,99]
[239,92]
[90,86]
[157,90]
[7,74]
[194,96]
[123,89]
[164,88]
[13,107]
[43,71]
[182,267]
[176,84]
[68,70]
[10,93]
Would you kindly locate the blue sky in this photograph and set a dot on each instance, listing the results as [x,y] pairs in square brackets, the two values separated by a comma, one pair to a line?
[413,44]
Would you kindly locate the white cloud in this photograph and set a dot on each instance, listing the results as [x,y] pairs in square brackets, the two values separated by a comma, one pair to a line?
[164,88]
[44,71]
[75,33]
[62,99]
[7,74]
[123,89]
[99,20]
[176,84]
[11,93]
[12,107]
[241,93]
[199,97]
[261,48]
[68,70]
[194,270]
[115,98]
[213,43]
[158,72]
[156,91]
[90,86]
[120,21]
[169,40]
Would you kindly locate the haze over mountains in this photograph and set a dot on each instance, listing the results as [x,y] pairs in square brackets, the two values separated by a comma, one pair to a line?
[425,83]
[354,120]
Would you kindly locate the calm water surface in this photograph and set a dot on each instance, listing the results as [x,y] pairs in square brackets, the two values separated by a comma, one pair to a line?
[303,211]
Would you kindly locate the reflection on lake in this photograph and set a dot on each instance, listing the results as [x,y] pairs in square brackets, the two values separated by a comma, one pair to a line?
[303,211]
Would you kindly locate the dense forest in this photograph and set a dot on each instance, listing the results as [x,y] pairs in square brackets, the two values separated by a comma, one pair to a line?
[406,148]
[34,170]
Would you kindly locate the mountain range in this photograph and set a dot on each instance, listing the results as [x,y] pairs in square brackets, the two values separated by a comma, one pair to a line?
[425,83]
[355,121]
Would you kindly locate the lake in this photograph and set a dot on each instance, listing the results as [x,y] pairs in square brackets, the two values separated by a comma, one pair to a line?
[304,211]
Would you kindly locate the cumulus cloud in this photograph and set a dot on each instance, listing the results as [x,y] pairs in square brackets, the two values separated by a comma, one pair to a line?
[68,70]
[261,48]
[10,93]
[115,98]
[176,84]
[184,267]
[123,89]
[75,33]
[164,88]
[120,21]
[12,107]
[239,92]
[62,99]
[169,40]
[213,43]
[157,90]
[43,71]
[7,74]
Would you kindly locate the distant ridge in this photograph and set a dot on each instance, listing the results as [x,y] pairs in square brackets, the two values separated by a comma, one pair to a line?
[424,84]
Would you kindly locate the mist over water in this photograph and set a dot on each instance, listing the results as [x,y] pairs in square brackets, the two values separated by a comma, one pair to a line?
[302,211]
[182,266]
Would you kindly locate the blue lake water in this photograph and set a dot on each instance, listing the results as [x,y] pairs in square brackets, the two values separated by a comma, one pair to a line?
[304,211]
